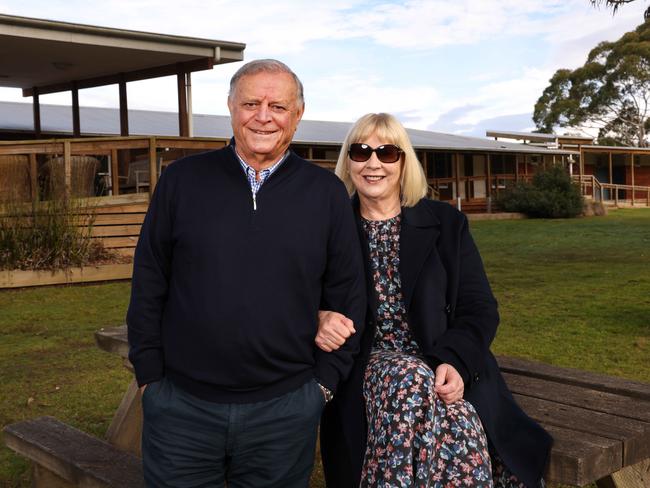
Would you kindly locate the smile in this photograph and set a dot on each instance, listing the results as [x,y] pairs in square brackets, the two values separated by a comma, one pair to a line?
[263,132]
[373,178]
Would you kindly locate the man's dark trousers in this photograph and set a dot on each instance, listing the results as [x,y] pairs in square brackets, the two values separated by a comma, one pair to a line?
[190,442]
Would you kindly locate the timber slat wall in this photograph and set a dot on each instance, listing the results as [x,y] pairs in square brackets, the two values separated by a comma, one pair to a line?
[117,222]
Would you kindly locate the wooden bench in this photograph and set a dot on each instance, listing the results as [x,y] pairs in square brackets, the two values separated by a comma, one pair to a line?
[600,424]
[63,456]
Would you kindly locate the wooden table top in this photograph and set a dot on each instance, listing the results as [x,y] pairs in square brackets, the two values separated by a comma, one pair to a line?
[600,424]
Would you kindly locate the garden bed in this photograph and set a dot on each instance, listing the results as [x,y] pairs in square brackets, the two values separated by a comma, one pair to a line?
[86,274]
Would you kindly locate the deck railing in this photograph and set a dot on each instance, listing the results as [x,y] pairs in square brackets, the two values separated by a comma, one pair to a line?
[91,166]
[612,193]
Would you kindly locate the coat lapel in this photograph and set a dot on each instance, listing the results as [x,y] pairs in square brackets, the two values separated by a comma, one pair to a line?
[370,285]
[418,237]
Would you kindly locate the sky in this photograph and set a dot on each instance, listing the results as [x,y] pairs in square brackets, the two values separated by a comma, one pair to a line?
[455,66]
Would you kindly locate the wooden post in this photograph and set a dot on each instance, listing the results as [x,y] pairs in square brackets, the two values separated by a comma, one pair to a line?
[488,175]
[611,171]
[36,106]
[581,169]
[153,165]
[458,197]
[632,175]
[126,427]
[33,175]
[76,124]
[183,126]
[115,175]
[517,167]
[188,91]
[67,168]
[124,108]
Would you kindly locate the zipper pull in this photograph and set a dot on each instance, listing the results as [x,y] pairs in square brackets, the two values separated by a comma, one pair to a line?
[254,201]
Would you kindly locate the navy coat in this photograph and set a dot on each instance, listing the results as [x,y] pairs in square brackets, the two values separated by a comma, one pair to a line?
[453,315]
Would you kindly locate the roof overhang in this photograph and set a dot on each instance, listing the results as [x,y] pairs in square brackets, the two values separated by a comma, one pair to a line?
[522,136]
[57,56]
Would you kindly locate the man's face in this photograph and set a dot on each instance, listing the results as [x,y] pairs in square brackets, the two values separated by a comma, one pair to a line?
[264,112]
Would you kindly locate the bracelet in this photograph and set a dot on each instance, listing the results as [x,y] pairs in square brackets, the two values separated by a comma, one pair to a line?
[327,393]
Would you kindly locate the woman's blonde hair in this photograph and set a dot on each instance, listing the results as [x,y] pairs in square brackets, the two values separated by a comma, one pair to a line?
[413,183]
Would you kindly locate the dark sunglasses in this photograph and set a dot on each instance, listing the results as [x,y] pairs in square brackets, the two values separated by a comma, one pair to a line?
[386,153]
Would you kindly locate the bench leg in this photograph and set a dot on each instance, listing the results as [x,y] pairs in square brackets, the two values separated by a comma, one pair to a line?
[44,478]
[125,431]
[636,476]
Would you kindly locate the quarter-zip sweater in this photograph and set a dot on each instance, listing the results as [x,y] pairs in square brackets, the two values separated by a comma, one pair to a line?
[225,297]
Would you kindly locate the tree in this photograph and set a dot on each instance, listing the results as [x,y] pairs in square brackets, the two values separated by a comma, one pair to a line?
[614,4]
[609,93]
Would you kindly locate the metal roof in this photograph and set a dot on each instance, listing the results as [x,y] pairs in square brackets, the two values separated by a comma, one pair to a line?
[57,120]
[51,55]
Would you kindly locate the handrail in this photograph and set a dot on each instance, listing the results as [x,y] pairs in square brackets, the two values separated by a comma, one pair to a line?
[598,188]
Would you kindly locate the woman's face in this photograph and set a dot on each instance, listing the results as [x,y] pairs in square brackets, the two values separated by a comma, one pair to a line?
[373,179]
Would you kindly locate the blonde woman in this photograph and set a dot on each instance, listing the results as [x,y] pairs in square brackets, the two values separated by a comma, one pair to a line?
[425,404]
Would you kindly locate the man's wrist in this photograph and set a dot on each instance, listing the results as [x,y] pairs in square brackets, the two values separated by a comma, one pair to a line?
[327,393]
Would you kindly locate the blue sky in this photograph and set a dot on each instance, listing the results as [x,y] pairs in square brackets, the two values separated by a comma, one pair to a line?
[458,66]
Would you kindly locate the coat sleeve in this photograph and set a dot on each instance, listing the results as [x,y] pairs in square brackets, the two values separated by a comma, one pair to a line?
[343,289]
[149,286]
[472,310]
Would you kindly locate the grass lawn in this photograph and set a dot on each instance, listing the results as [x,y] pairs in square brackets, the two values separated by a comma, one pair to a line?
[571,292]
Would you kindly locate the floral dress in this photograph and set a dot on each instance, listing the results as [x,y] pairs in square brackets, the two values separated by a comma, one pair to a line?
[414,438]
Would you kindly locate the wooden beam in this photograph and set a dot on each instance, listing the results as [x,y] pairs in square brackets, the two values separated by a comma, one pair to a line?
[124,108]
[76,124]
[183,126]
[153,165]
[36,106]
[458,197]
[115,175]
[611,172]
[632,176]
[143,74]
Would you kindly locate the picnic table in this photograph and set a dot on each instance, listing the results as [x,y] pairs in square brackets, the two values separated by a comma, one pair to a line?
[600,424]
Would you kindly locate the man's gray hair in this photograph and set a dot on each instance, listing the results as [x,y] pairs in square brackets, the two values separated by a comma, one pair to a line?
[265,66]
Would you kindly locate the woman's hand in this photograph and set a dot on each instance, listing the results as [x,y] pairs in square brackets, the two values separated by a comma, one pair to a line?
[333,330]
[449,384]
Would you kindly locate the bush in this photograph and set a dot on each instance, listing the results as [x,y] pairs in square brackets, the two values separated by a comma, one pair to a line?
[54,234]
[551,194]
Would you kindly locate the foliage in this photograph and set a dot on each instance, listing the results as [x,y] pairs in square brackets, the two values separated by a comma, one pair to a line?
[551,194]
[614,4]
[47,235]
[610,92]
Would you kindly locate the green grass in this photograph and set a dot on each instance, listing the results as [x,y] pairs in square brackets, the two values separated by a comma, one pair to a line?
[571,292]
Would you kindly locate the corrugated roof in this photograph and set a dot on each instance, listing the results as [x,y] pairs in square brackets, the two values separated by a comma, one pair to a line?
[57,119]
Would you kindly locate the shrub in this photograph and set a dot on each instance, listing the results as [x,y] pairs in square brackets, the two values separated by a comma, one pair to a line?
[53,234]
[551,194]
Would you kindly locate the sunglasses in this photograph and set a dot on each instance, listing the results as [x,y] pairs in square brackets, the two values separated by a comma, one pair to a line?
[386,153]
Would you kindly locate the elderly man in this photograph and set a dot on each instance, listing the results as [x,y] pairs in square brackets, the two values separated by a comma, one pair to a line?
[240,248]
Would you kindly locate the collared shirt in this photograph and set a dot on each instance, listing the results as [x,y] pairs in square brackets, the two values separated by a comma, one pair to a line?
[251,174]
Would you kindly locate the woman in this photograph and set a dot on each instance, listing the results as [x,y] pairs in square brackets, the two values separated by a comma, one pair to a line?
[425,404]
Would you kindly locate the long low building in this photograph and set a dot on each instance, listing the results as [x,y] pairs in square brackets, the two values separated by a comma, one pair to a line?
[469,171]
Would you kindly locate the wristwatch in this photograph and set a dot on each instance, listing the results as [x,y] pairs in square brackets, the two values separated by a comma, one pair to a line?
[327,393]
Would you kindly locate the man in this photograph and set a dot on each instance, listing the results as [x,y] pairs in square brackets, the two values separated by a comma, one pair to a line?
[240,248]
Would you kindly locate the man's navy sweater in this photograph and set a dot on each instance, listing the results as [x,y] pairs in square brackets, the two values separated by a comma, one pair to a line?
[225,298]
